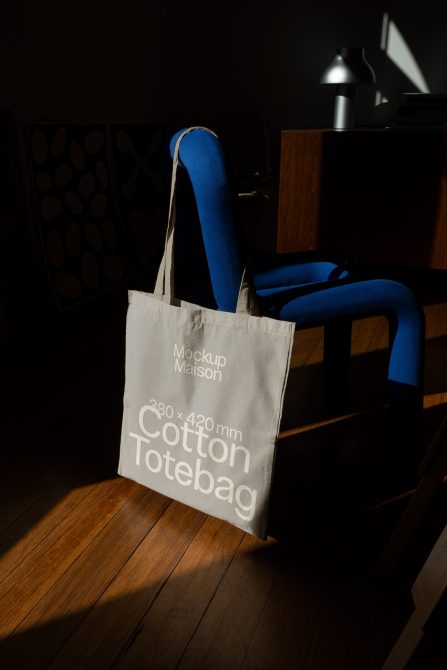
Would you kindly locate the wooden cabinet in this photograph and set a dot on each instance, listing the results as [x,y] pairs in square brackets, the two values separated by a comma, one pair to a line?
[369,195]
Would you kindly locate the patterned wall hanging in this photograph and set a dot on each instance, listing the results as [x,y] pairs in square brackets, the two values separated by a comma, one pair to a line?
[83,243]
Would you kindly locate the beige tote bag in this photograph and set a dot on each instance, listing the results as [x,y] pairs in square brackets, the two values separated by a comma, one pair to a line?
[203,397]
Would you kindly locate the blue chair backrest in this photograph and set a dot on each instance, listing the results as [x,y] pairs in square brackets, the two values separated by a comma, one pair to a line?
[202,157]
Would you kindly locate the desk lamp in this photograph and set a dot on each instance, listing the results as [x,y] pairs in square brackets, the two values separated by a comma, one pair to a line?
[348,70]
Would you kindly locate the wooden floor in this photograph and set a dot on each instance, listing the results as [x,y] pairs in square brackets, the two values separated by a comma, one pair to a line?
[98,572]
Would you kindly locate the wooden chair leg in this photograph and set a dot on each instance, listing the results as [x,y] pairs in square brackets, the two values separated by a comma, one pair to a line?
[336,364]
[406,645]
[408,523]
[429,591]
[433,469]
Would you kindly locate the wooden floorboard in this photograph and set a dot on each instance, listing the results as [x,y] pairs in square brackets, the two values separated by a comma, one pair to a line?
[175,615]
[61,610]
[97,572]
[22,537]
[221,640]
[117,615]
[27,584]
[285,630]
[30,482]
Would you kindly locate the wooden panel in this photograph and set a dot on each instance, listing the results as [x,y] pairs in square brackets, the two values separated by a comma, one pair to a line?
[437,251]
[299,190]
[303,401]
[364,195]
[436,245]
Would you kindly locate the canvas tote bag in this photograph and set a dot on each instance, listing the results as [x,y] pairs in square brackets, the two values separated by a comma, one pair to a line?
[203,397]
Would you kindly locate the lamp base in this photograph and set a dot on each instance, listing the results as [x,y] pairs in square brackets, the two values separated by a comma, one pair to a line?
[344,111]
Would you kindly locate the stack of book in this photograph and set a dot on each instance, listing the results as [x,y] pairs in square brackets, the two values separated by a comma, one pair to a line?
[421,111]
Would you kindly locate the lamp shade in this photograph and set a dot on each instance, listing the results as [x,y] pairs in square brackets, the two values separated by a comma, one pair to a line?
[346,72]
[349,66]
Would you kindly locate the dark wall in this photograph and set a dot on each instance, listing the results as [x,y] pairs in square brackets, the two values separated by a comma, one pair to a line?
[248,68]
[79,60]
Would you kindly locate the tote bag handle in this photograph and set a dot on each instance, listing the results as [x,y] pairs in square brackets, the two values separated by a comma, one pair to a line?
[247,302]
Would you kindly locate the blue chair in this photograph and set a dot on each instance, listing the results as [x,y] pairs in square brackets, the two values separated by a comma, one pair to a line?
[289,287]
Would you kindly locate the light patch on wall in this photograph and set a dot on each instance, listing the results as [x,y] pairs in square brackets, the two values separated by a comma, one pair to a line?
[397,50]
[380,99]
